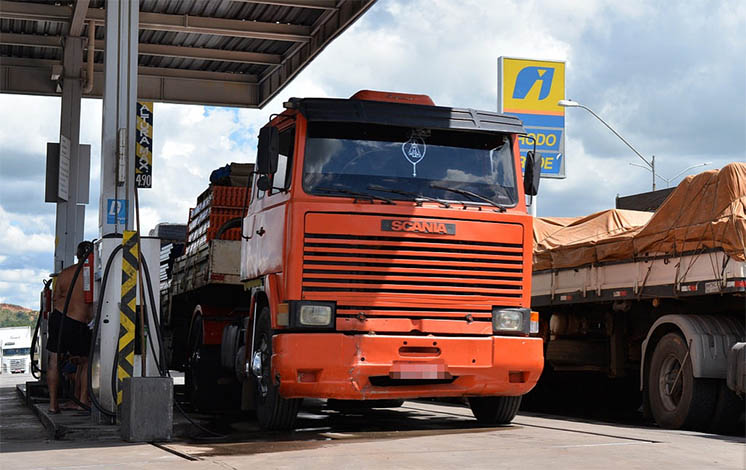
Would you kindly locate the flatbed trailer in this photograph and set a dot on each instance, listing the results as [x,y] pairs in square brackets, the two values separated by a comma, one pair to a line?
[710,273]
[677,323]
[659,298]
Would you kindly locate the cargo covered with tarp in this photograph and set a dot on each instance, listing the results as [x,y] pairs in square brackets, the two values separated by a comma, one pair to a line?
[706,211]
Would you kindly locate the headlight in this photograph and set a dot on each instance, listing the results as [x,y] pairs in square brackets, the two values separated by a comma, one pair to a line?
[312,314]
[511,320]
[315,315]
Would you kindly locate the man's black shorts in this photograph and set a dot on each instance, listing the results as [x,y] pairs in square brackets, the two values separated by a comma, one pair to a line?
[76,336]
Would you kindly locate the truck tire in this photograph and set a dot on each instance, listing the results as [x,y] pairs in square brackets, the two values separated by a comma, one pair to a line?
[494,410]
[273,412]
[686,402]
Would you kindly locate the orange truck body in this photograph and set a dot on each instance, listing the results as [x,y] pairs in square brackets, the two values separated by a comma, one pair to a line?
[414,285]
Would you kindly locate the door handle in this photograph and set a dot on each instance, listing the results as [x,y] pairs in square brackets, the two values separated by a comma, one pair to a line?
[261,231]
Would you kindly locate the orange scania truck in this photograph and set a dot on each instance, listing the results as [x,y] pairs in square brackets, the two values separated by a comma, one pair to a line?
[385,255]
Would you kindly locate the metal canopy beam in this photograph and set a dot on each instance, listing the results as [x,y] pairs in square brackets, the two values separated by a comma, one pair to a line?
[76,23]
[34,12]
[29,77]
[16,39]
[317,4]
[165,22]
[210,54]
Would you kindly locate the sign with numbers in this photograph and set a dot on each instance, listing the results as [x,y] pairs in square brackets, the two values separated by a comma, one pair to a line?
[144,145]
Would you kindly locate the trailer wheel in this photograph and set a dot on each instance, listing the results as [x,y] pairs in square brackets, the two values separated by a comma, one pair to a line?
[273,412]
[494,410]
[677,398]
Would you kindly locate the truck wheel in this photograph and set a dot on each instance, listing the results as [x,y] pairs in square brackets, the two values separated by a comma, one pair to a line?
[494,410]
[272,411]
[677,398]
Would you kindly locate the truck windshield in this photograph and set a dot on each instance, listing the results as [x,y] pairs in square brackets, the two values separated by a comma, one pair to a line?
[376,159]
[16,351]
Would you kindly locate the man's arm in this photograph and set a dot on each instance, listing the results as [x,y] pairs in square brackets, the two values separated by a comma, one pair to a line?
[61,287]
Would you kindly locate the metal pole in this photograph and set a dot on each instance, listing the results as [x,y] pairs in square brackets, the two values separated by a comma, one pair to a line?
[532,208]
[652,167]
[69,219]
[116,204]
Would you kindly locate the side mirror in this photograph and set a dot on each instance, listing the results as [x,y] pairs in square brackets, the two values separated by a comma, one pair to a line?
[532,174]
[268,150]
[263,183]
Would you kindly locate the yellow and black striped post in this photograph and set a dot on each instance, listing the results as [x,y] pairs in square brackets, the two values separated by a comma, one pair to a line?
[125,366]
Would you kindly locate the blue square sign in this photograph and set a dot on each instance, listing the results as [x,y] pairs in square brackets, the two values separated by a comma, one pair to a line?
[116,211]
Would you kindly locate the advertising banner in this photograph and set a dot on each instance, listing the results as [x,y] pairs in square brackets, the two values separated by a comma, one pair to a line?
[530,90]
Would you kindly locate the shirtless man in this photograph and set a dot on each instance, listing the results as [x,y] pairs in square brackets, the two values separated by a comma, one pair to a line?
[76,336]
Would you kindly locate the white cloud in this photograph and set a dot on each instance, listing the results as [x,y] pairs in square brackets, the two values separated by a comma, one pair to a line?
[29,234]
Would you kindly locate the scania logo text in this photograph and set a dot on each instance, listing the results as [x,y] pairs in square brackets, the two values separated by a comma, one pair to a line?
[419,226]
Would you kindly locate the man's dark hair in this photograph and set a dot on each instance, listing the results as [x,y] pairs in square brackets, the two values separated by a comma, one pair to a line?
[85,247]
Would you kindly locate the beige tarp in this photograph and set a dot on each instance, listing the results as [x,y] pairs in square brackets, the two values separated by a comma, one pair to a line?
[705,211]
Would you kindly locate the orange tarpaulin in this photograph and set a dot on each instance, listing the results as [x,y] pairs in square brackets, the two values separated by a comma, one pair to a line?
[705,211]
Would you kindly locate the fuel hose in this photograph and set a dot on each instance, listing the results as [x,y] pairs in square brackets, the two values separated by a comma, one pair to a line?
[96,324]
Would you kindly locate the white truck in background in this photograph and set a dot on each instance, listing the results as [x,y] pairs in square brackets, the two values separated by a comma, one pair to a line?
[15,350]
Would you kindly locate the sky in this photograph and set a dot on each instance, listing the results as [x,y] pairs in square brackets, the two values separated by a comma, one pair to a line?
[668,76]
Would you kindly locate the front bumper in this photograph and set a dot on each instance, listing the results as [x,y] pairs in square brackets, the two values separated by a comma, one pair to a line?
[357,367]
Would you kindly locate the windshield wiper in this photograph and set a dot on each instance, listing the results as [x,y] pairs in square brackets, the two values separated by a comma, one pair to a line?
[469,194]
[418,198]
[356,195]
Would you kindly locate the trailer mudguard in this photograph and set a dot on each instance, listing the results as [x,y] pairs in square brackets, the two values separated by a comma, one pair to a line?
[710,338]
[736,379]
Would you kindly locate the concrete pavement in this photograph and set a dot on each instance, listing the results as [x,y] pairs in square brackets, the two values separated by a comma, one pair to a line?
[419,435]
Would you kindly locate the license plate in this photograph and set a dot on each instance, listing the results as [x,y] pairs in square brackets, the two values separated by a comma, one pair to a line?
[408,371]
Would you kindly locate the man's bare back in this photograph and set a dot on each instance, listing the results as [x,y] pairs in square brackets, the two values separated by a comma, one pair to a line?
[78,309]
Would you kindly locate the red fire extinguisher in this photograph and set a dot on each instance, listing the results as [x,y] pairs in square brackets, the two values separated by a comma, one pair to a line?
[45,306]
[88,279]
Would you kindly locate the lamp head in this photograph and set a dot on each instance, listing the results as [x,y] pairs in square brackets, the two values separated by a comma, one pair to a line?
[568,103]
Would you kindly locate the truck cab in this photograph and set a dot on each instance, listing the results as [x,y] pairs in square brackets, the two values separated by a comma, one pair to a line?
[15,356]
[388,253]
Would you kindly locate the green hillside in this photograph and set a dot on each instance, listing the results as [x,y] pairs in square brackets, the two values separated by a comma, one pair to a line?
[15,315]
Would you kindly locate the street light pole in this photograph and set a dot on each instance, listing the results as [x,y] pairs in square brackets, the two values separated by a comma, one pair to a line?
[575,104]
[668,180]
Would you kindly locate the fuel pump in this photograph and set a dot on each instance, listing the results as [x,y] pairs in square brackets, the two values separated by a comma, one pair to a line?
[107,297]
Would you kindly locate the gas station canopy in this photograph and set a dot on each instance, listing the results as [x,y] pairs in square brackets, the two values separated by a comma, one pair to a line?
[213,52]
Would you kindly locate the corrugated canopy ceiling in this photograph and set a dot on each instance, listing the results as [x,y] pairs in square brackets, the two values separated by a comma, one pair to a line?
[213,52]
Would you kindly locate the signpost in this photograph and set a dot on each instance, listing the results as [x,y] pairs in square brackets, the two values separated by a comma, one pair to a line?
[530,90]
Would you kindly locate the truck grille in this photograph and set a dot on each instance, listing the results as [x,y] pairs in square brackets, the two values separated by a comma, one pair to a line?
[415,277]
[17,364]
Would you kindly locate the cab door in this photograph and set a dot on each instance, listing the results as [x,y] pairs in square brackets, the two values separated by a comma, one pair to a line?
[264,226]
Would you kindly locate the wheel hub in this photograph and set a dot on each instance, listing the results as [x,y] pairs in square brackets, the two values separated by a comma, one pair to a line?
[670,386]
